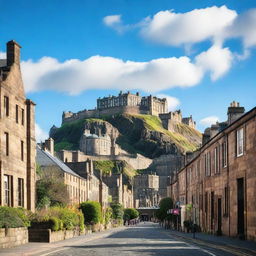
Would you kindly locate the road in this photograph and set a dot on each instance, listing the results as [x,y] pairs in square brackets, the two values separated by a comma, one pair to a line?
[144,239]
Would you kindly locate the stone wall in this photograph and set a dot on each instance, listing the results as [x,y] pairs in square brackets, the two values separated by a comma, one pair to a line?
[11,237]
[139,162]
[48,236]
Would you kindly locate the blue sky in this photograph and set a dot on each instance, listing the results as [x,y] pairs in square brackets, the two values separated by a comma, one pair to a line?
[202,83]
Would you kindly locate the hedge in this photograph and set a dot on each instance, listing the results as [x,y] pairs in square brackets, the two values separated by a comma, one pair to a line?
[118,211]
[92,212]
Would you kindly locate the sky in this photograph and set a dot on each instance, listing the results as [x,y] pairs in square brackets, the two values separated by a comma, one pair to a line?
[199,54]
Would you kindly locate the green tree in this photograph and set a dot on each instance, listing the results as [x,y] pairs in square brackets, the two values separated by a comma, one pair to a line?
[118,211]
[130,213]
[92,212]
[164,205]
[50,188]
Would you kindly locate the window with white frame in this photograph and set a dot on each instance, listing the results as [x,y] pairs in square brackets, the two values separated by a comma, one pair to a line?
[240,142]
[7,190]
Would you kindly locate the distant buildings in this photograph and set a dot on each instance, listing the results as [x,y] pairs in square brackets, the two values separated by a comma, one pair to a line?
[219,182]
[17,138]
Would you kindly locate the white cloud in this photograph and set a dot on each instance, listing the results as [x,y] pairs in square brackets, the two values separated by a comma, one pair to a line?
[112,20]
[217,60]
[40,134]
[115,22]
[208,121]
[97,72]
[170,28]
[217,24]
[2,55]
[173,102]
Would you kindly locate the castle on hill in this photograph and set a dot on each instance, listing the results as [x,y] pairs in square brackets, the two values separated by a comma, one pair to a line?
[129,103]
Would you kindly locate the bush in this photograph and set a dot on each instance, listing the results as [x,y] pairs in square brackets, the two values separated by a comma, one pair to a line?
[118,211]
[130,213]
[92,212]
[13,217]
[164,205]
[58,218]
[108,215]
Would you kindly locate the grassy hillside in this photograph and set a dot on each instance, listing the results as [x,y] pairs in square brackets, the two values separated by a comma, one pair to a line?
[142,134]
[108,167]
[153,123]
[68,135]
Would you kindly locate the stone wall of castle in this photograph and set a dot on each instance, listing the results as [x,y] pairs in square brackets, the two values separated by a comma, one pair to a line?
[123,103]
[139,162]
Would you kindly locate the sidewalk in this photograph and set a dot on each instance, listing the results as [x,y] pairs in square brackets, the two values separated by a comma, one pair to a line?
[44,249]
[234,243]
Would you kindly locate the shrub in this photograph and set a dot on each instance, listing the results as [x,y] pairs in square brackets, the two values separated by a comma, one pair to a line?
[118,211]
[13,217]
[108,215]
[92,212]
[58,218]
[130,213]
[164,205]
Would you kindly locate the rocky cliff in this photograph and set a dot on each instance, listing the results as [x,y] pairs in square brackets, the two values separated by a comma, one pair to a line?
[142,134]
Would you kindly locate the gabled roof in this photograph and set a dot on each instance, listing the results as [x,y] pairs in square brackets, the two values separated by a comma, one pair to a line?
[45,159]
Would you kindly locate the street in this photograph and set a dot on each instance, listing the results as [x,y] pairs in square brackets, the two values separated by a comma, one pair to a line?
[143,239]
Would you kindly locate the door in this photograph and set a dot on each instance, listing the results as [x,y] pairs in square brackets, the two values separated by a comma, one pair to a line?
[240,208]
[219,231]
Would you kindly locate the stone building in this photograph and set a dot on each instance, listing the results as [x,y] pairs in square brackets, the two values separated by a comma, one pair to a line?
[17,138]
[171,119]
[123,103]
[220,181]
[146,190]
[81,185]
[99,139]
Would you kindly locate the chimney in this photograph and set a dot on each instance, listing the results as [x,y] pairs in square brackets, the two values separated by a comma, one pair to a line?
[234,111]
[49,146]
[13,53]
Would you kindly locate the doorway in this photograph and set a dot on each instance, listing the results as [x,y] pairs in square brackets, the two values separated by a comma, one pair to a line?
[219,231]
[240,208]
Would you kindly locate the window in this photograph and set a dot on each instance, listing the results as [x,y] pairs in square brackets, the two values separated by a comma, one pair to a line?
[20,192]
[240,142]
[6,105]
[207,162]
[6,134]
[17,114]
[216,160]
[22,150]
[7,190]
[22,116]
[224,154]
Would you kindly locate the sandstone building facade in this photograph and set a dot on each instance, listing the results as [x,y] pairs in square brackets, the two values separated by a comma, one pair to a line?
[17,138]
[81,185]
[220,181]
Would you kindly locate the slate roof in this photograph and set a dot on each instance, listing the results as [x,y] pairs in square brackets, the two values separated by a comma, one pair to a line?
[45,159]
